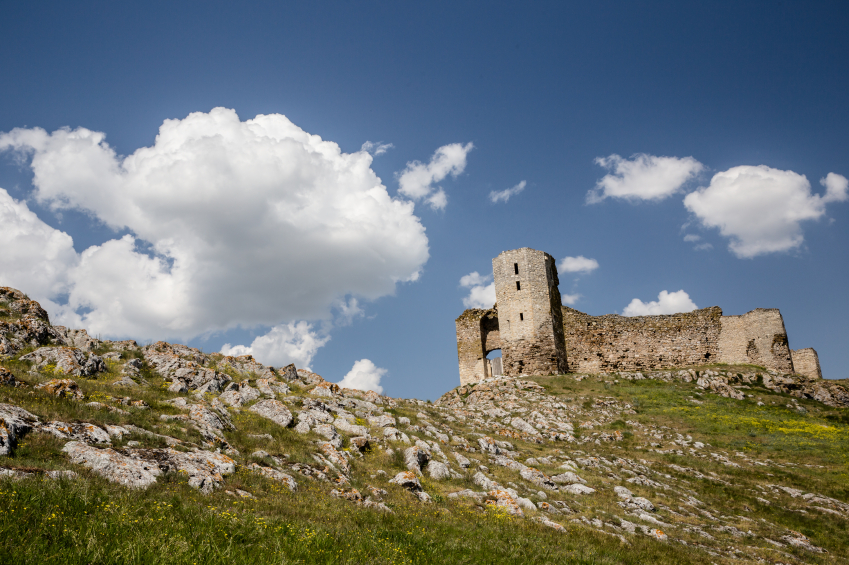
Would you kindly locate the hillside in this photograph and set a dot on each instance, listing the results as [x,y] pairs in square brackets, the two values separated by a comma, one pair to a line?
[112,452]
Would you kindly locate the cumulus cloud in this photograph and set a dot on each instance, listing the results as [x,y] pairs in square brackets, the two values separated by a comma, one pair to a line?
[643,177]
[376,148]
[481,290]
[761,209]
[691,237]
[666,303]
[417,180]
[35,257]
[504,195]
[233,223]
[295,342]
[835,188]
[579,264]
[569,299]
[364,375]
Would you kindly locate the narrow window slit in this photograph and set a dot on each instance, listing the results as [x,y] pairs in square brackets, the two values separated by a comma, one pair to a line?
[518,285]
[521,316]
[516,268]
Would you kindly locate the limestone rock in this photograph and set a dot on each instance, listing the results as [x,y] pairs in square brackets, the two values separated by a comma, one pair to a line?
[63,388]
[66,361]
[349,428]
[15,422]
[274,475]
[88,433]
[437,470]
[578,489]
[524,426]
[113,466]
[415,458]
[328,432]
[568,478]
[273,410]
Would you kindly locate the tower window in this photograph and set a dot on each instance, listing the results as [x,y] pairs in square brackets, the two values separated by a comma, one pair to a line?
[518,285]
[516,268]
[521,316]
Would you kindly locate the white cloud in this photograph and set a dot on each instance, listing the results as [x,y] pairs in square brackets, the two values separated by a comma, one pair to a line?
[288,343]
[364,375]
[579,264]
[569,299]
[667,303]
[417,180]
[690,237]
[761,209]
[644,177]
[504,195]
[481,290]
[34,257]
[376,148]
[233,223]
[835,188]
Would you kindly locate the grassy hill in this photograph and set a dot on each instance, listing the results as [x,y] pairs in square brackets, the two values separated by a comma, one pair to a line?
[566,469]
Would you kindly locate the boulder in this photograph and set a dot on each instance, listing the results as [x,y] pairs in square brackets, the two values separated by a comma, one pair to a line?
[15,422]
[273,410]
[437,470]
[63,388]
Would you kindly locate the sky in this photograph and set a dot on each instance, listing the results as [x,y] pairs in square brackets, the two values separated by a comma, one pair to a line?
[326,183]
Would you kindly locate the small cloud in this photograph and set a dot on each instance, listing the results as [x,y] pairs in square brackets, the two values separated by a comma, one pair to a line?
[417,179]
[504,195]
[579,264]
[569,299]
[690,237]
[364,375]
[643,177]
[836,188]
[666,303]
[376,148]
[481,294]
[295,342]
[703,247]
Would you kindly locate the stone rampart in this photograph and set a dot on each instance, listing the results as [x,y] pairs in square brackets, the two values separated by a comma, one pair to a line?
[806,362]
[603,344]
[477,335]
[756,338]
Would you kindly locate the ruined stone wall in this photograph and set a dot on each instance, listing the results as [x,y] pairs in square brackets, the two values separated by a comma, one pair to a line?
[600,344]
[806,362]
[477,335]
[529,311]
[757,338]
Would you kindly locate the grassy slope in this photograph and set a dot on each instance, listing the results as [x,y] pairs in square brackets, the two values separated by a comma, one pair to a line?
[93,521]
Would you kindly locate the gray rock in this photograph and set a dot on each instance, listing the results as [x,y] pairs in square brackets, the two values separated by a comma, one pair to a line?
[274,410]
[415,458]
[437,470]
[14,424]
[117,468]
[567,478]
[328,432]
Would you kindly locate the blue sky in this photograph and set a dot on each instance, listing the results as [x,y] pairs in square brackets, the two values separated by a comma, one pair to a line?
[541,93]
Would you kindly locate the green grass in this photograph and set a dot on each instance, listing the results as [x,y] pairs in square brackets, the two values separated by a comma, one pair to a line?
[91,521]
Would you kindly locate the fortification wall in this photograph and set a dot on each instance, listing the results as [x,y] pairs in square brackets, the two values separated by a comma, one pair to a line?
[477,335]
[806,362]
[600,344]
[757,338]
[529,311]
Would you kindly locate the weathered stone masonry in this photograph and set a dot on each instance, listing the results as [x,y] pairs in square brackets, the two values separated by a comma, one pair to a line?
[600,344]
[539,336]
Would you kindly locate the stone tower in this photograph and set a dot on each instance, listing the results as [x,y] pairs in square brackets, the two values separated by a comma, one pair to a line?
[530,316]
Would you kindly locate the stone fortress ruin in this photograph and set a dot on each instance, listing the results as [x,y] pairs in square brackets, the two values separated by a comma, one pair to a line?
[537,335]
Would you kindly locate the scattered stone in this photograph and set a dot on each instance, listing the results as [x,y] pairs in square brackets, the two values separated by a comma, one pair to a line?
[63,388]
